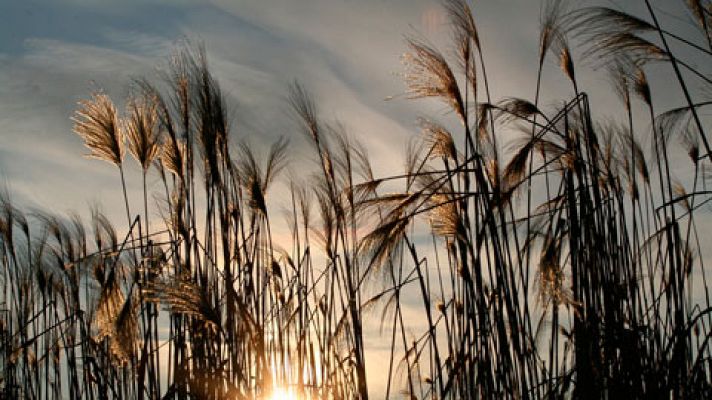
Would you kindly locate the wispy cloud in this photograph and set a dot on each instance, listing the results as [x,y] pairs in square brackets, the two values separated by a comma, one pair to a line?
[329,46]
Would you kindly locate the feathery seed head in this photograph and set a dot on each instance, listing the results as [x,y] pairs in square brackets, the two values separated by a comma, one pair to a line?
[641,86]
[96,121]
[141,125]
[439,140]
[429,75]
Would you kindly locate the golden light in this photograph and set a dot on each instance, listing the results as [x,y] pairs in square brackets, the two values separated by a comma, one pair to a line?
[283,394]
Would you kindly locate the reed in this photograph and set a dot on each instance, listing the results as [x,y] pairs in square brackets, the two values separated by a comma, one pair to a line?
[550,254]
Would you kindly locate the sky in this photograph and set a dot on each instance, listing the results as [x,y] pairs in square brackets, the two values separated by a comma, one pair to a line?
[346,52]
[54,53]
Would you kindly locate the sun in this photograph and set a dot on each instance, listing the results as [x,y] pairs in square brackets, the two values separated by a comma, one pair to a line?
[283,394]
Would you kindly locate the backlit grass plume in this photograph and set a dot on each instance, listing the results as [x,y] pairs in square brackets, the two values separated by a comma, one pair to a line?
[97,123]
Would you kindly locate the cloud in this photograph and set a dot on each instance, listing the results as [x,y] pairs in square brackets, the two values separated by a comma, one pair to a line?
[345,52]
[42,159]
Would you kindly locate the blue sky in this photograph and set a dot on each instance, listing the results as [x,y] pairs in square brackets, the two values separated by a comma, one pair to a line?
[55,52]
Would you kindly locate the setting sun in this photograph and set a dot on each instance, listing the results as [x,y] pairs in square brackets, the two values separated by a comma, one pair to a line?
[283,394]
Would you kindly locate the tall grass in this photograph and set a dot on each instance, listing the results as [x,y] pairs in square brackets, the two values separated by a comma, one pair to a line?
[550,254]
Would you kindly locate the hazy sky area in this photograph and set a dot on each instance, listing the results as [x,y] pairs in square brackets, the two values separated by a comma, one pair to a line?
[346,52]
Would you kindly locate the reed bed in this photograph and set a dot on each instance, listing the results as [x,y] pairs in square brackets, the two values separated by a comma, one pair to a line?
[550,254]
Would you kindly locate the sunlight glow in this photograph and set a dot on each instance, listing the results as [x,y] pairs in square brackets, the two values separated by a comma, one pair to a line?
[283,394]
